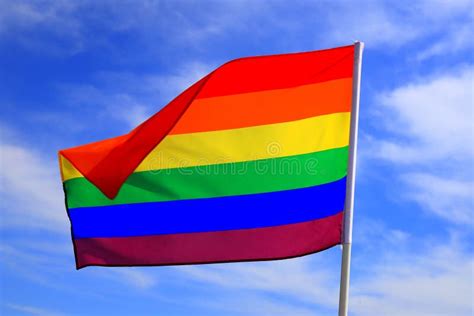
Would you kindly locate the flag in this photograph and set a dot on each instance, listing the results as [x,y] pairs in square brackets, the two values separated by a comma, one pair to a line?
[249,163]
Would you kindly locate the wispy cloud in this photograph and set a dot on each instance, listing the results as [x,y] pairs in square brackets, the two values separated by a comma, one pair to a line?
[135,277]
[398,275]
[426,130]
[449,198]
[32,202]
[66,27]
[131,98]
[430,140]
[29,187]
[32,310]
[443,26]
[306,279]
[21,21]
[433,118]
[370,21]
[254,305]
[437,280]
[459,39]
[389,25]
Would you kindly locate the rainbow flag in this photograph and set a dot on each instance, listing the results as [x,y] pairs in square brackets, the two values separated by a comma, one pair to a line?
[249,163]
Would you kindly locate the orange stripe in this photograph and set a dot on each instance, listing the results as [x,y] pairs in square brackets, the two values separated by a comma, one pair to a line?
[266,107]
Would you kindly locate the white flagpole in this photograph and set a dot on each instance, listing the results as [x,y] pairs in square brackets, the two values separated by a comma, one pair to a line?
[351,172]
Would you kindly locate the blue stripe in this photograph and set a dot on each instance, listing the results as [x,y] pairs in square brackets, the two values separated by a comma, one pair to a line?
[210,214]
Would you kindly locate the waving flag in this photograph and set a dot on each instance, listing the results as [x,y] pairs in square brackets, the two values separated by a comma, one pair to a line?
[249,163]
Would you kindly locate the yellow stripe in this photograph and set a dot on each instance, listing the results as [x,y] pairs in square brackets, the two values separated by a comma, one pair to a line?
[68,171]
[244,144]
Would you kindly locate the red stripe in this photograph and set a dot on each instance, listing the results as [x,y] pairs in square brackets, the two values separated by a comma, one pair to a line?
[279,71]
[276,242]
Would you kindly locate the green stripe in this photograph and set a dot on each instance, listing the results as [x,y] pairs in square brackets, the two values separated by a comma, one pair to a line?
[259,176]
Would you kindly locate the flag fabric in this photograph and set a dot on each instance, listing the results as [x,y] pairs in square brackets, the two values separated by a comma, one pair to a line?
[249,163]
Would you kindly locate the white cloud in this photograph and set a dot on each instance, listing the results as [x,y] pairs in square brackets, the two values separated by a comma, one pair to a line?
[446,25]
[130,276]
[432,137]
[45,260]
[162,87]
[432,116]
[30,187]
[394,273]
[459,39]
[372,22]
[435,115]
[66,26]
[443,9]
[399,276]
[309,279]
[32,199]
[129,97]
[431,142]
[32,310]
[21,20]
[373,234]
[30,14]
[403,282]
[449,198]
[254,305]
[437,280]
[384,24]
[124,107]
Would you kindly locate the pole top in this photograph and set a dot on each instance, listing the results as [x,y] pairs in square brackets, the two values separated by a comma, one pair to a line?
[359,43]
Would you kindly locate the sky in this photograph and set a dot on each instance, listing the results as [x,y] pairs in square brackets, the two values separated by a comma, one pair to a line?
[73,72]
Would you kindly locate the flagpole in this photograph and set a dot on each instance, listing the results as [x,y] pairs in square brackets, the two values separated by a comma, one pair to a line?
[351,172]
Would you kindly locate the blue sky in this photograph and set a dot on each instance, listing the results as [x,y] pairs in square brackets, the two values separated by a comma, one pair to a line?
[72,72]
